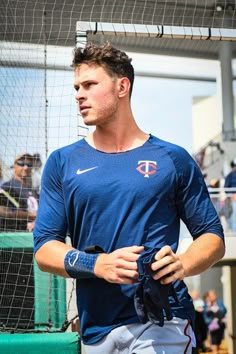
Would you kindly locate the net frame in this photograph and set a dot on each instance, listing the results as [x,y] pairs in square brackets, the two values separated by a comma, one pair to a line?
[84,29]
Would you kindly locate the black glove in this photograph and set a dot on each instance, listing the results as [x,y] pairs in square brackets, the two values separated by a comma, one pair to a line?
[94,249]
[151,297]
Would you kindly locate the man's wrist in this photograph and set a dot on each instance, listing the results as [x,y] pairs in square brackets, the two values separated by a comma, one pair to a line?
[79,264]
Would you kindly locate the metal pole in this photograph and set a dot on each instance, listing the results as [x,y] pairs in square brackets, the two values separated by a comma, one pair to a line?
[227,91]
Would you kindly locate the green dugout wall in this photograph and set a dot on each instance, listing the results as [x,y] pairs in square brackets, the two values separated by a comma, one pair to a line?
[32,303]
[40,343]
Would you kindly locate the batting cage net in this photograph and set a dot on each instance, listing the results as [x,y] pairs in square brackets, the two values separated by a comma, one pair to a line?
[38,114]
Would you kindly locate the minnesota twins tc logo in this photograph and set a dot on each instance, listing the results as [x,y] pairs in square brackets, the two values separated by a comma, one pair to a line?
[147,168]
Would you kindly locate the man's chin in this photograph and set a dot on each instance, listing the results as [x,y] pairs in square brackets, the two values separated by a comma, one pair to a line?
[89,122]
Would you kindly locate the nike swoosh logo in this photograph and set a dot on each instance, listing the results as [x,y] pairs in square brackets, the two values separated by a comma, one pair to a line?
[79,171]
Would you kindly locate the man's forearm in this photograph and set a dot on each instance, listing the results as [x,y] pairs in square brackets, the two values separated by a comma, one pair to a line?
[203,253]
[50,257]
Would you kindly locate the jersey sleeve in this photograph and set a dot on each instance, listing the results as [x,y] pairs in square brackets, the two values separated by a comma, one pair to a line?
[194,204]
[51,220]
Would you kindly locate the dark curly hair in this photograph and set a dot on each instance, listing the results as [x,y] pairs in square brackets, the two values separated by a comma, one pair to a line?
[114,61]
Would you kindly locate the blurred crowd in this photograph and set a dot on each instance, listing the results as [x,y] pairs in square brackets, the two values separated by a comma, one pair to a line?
[210,321]
[223,196]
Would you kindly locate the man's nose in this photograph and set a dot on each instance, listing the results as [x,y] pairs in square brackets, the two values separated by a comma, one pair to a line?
[26,167]
[80,95]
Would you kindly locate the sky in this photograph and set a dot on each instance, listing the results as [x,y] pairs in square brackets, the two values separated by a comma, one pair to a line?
[164,106]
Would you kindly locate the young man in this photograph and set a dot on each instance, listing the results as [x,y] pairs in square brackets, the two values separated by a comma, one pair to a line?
[125,191]
[18,200]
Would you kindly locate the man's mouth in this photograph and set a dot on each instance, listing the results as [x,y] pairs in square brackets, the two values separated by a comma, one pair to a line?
[84,109]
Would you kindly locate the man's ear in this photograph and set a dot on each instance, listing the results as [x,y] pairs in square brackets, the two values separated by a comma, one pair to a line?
[123,86]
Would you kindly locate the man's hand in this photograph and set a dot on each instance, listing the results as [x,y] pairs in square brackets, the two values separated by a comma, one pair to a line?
[167,266]
[151,299]
[119,266]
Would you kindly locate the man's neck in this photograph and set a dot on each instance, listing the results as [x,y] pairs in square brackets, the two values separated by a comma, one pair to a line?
[119,141]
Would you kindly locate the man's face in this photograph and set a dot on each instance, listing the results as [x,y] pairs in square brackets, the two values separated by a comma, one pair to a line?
[97,94]
[23,168]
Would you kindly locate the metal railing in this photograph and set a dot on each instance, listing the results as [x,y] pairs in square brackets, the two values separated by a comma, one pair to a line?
[224,201]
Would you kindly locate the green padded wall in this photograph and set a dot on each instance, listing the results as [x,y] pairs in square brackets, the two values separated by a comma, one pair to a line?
[45,286]
[49,290]
[46,343]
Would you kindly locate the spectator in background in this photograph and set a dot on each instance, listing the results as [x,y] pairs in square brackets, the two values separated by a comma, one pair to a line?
[214,314]
[18,201]
[230,182]
[200,327]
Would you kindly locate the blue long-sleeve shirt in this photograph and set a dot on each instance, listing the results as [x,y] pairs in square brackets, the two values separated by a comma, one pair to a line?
[116,200]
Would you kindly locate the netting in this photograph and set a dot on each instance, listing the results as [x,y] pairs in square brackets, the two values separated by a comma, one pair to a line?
[30,300]
[38,114]
[54,21]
